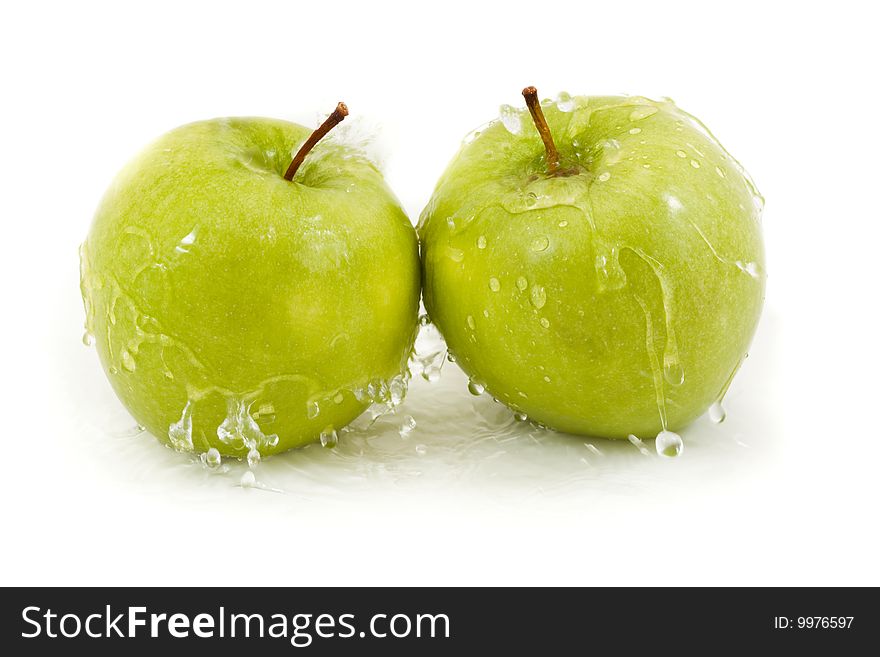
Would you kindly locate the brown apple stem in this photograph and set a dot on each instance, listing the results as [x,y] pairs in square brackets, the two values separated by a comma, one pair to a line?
[336,117]
[534,105]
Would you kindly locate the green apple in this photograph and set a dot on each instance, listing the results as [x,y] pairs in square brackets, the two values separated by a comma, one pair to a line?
[603,273]
[243,304]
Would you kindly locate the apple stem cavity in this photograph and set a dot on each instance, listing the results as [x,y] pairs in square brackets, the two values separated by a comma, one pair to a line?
[335,118]
[534,105]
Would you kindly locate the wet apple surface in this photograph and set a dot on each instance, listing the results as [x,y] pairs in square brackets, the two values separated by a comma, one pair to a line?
[606,283]
[238,312]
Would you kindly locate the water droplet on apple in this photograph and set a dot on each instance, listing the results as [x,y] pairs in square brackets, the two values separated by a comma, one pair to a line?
[421,450]
[521,283]
[638,444]
[248,480]
[470,322]
[88,339]
[212,459]
[634,131]
[113,370]
[338,398]
[494,285]
[128,361]
[456,255]
[669,444]
[253,457]
[519,416]
[450,357]
[538,296]
[609,273]
[717,413]
[564,102]
[695,164]
[720,172]
[751,268]
[673,372]
[642,113]
[475,387]
[547,379]
[530,199]
[681,154]
[329,437]
[424,320]
[540,243]
[545,322]
[180,432]
[313,410]
[510,119]
[481,242]
[604,176]
[563,223]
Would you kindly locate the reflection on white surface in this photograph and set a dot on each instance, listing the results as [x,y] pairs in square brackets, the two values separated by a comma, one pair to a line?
[441,441]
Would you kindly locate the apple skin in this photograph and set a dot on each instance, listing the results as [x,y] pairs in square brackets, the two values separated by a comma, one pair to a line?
[226,302]
[617,298]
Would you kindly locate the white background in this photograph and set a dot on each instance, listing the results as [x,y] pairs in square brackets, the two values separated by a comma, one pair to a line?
[792,93]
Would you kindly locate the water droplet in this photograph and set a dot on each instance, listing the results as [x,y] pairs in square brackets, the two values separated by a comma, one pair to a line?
[545,322]
[432,366]
[88,339]
[695,164]
[720,172]
[456,255]
[481,242]
[313,410]
[538,296]
[180,432]
[494,285]
[521,283]
[421,450]
[113,370]
[564,102]
[646,166]
[450,357]
[604,176]
[510,119]
[642,113]
[717,413]
[669,444]
[673,372]
[212,458]
[540,243]
[638,444]
[530,199]
[634,131]
[128,361]
[397,390]
[248,480]
[681,153]
[424,320]
[329,437]
[547,379]
[593,449]
[407,426]
[519,416]
[471,323]
[338,398]
[253,457]
[476,388]
[563,223]
[486,313]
